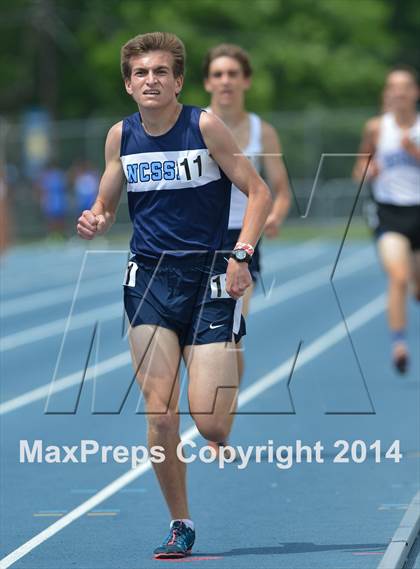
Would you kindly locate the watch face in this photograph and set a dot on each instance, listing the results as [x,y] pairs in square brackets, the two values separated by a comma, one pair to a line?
[240,254]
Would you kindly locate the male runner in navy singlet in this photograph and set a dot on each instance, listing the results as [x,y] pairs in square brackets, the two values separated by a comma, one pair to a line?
[180,297]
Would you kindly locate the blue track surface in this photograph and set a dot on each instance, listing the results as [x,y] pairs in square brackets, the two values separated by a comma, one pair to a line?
[326,515]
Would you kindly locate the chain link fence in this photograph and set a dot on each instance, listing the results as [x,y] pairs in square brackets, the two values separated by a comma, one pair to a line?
[319,148]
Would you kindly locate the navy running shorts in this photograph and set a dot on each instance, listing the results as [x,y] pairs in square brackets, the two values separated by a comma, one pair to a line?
[229,243]
[185,294]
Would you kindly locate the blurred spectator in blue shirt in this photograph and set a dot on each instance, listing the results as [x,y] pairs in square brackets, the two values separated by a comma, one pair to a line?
[52,185]
[85,185]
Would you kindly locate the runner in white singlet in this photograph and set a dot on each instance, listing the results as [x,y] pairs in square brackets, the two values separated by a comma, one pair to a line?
[393,140]
[227,77]
[238,201]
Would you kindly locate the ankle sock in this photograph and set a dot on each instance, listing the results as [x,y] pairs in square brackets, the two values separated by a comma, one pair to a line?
[188,523]
[398,336]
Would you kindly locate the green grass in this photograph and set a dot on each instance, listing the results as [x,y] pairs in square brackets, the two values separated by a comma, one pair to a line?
[292,230]
[300,230]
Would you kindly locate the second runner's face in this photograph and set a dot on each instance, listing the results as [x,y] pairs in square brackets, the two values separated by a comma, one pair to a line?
[226,81]
[401,91]
[152,83]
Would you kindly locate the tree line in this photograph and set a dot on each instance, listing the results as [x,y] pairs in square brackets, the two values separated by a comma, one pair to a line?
[63,55]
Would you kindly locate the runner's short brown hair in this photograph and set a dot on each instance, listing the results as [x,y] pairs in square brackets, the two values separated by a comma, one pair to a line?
[406,69]
[154,41]
[228,50]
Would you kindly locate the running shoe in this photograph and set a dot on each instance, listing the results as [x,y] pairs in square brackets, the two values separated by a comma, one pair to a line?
[400,358]
[178,543]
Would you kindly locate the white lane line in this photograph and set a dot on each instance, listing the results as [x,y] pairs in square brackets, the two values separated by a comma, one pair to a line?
[311,280]
[47,298]
[289,289]
[334,335]
[67,278]
[404,537]
[287,252]
[28,279]
[330,338]
[47,272]
[57,327]
[51,297]
[281,260]
[55,275]
[106,366]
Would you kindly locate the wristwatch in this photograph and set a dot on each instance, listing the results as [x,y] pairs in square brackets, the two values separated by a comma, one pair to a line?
[241,256]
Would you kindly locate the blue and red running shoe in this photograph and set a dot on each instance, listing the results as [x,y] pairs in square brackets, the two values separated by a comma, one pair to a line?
[178,544]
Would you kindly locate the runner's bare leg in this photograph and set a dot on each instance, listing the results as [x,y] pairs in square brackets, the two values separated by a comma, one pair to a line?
[156,355]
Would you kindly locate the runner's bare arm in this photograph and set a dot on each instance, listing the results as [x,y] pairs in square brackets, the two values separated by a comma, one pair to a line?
[409,145]
[101,216]
[276,176]
[367,146]
[241,172]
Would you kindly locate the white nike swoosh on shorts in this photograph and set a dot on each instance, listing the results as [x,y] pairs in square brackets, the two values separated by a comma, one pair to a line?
[213,327]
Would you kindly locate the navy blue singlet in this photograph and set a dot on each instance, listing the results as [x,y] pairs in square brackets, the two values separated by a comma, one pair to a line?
[178,197]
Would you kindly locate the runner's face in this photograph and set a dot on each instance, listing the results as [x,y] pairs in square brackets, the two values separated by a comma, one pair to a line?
[152,83]
[226,81]
[401,91]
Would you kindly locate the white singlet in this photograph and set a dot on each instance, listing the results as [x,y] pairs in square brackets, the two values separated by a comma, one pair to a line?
[398,181]
[238,200]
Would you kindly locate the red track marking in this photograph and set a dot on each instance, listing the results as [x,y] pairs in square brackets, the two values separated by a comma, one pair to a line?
[189,559]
